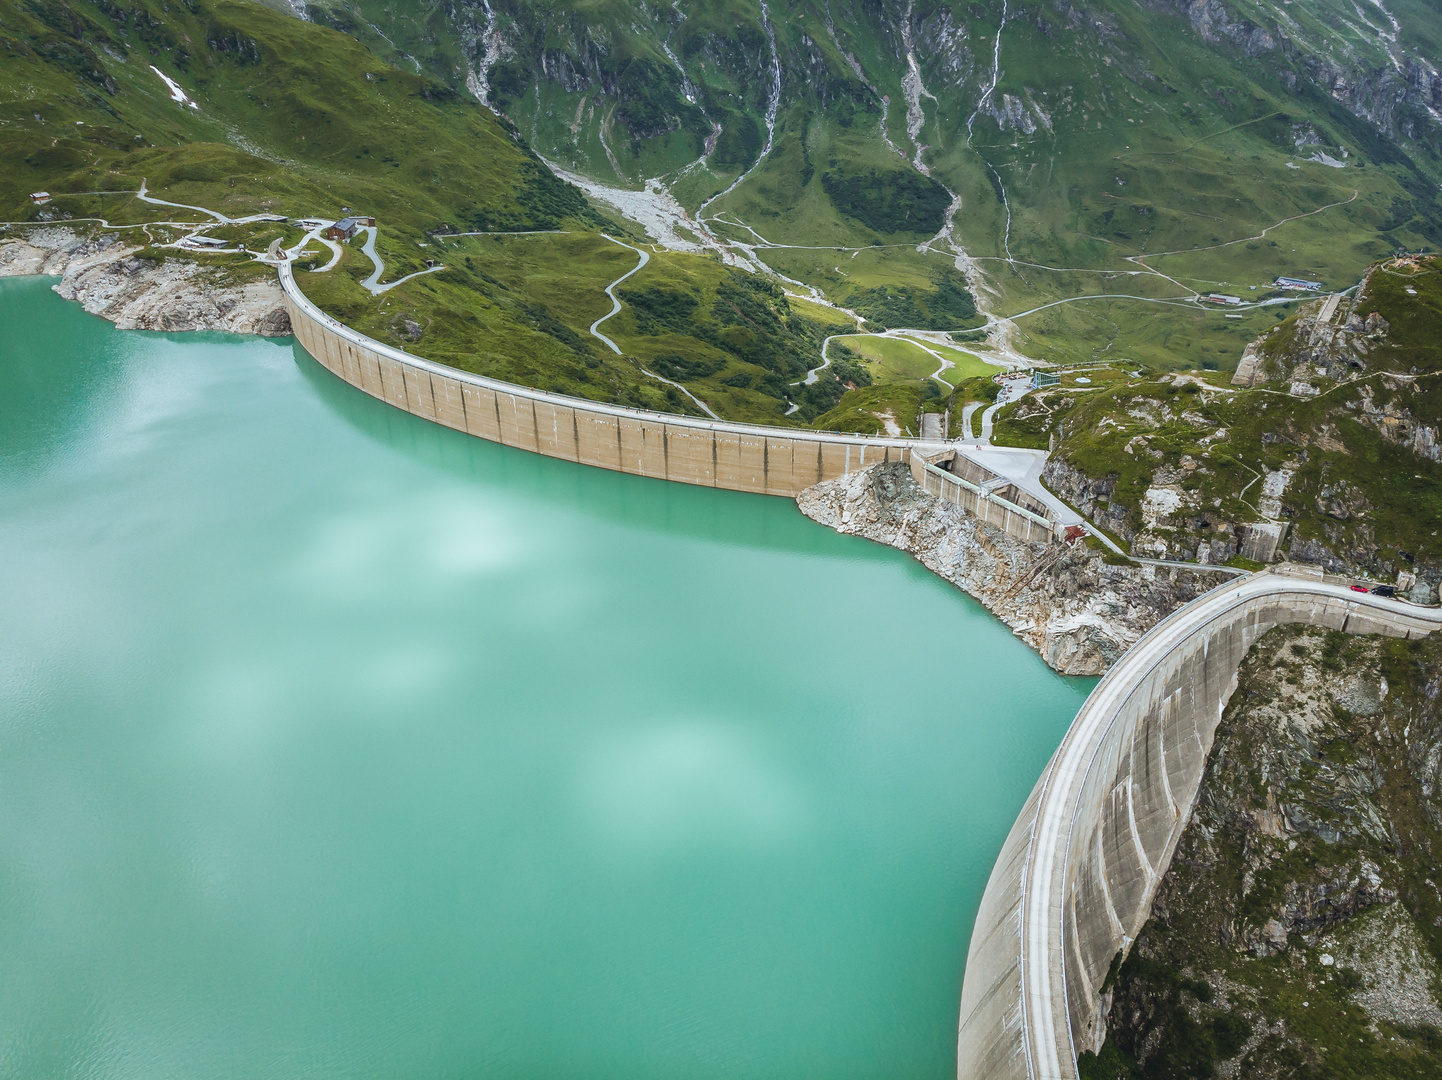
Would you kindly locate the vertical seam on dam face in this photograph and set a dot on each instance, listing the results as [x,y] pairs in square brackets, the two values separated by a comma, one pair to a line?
[1118,929]
[363,362]
[1162,756]
[1050,907]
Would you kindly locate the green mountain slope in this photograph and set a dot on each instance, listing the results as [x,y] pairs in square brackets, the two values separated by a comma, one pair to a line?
[1142,154]
[285,116]
[1078,172]
[287,110]
[1331,442]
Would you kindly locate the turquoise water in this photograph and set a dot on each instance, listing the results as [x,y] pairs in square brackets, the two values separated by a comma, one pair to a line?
[336,744]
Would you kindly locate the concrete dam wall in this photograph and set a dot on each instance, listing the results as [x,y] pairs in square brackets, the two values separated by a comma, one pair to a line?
[954,479]
[712,453]
[1075,879]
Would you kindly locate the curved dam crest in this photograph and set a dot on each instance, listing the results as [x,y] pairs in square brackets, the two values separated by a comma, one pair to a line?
[1075,880]
[737,457]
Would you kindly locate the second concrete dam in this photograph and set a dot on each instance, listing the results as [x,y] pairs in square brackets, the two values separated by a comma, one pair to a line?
[1075,880]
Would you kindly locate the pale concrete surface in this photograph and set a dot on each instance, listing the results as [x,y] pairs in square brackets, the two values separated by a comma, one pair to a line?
[713,453]
[967,412]
[1075,879]
[1023,468]
[984,495]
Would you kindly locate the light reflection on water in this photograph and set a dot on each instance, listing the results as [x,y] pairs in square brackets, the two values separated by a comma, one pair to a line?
[334,744]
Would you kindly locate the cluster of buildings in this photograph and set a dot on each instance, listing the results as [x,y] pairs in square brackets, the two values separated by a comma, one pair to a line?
[1291,283]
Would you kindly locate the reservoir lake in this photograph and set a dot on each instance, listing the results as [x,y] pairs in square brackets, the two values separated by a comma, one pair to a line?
[336,744]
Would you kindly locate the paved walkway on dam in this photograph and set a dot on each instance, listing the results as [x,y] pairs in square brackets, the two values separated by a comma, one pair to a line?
[1023,468]
[1016,1017]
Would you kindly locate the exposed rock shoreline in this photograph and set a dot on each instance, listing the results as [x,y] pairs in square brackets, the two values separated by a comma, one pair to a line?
[1076,610]
[1065,601]
[106,277]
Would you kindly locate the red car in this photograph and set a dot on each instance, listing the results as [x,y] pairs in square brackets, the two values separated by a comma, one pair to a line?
[1358,588]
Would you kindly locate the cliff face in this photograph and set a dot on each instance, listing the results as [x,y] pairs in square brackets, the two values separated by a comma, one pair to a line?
[1325,448]
[1079,612]
[108,279]
[1298,932]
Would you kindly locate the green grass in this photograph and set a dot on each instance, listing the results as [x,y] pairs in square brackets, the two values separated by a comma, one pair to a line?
[965,365]
[1130,429]
[293,117]
[299,119]
[303,118]
[903,360]
[866,410]
[1141,138]
[892,360]
[834,321]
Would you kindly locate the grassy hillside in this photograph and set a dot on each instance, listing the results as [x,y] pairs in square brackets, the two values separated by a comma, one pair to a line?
[1110,161]
[1340,431]
[1124,160]
[519,308]
[301,119]
[291,116]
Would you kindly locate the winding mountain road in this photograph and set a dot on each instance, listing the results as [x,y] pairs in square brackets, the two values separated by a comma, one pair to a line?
[615,303]
[146,198]
[372,284]
[616,309]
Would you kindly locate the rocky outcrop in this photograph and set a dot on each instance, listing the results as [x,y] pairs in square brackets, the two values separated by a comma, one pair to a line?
[1065,601]
[1327,341]
[1396,422]
[1091,495]
[1395,90]
[1219,26]
[108,278]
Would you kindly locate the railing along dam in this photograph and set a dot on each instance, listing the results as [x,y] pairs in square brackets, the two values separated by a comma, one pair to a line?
[1075,880]
[713,453]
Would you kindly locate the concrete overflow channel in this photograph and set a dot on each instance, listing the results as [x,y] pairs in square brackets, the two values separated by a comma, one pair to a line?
[1075,879]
